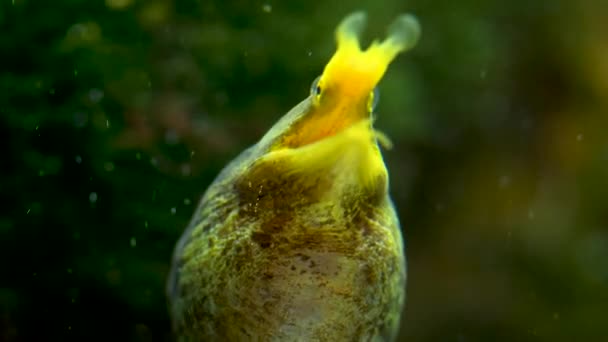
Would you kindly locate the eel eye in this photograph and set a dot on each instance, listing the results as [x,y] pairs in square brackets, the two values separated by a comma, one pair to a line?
[315,88]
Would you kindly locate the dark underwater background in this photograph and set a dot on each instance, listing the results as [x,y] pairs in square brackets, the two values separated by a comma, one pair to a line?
[115,115]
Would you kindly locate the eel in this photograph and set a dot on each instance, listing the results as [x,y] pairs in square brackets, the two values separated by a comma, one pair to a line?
[297,239]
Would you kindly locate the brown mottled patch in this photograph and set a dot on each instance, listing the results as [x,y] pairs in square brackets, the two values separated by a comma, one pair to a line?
[262,239]
[276,224]
[303,257]
[370,275]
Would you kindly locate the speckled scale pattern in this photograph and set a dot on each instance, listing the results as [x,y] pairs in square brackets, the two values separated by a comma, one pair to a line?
[270,257]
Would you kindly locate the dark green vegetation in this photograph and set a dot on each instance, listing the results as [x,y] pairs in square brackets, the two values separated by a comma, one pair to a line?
[115,116]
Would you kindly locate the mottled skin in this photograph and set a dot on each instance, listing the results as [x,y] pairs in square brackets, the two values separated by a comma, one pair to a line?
[271,255]
[296,239]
